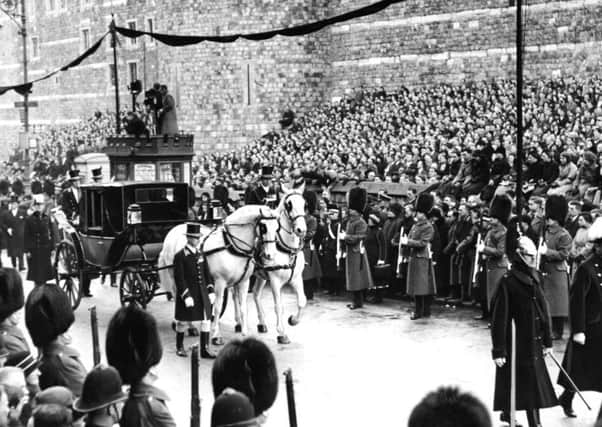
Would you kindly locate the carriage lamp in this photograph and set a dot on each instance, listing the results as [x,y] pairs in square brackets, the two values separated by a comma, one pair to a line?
[217,210]
[134,214]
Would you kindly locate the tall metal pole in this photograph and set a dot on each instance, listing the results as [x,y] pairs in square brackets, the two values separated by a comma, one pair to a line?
[519,106]
[114,45]
[25,76]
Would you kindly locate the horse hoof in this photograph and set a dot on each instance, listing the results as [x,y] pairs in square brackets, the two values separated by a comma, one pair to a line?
[217,341]
[283,339]
[262,329]
[292,321]
[238,329]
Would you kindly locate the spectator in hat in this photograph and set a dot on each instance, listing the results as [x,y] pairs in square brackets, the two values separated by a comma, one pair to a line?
[567,176]
[233,408]
[248,366]
[52,415]
[48,316]
[11,302]
[195,292]
[101,397]
[264,193]
[13,381]
[448,406]
[133,347]
[25,361]
[38,243]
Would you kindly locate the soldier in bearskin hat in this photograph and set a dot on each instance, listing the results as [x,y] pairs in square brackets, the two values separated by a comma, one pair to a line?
[38,243]
[493,248]
[11,301]
[195,294]
[554,254]
[312,271]
[519,298]
[583,356]
[358,276]
[420,282]
[133,347]
[48,317]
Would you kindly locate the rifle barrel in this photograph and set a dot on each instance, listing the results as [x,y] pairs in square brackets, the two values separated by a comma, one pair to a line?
[195,401]
[95,339]
[290,398]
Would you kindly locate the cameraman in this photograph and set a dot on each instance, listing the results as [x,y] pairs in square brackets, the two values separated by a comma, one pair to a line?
[154,100]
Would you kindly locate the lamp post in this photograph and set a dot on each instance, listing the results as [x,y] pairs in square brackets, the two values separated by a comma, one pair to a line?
[10,8]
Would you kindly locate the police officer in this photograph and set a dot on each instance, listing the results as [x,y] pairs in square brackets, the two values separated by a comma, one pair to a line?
[38,243]
[195,295]
[48,317]
[11,301]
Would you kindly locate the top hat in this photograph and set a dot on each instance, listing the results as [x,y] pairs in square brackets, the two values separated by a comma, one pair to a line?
[102,387]
[97,173]
[74,175]
[266,172]
[193,229]
[24,361]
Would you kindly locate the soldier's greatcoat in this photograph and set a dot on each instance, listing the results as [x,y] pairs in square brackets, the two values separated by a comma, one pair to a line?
[584,362]
[519,298]
[497,261]
[358,270]
[61,365]
[555,269]
[190,275]
[421,275]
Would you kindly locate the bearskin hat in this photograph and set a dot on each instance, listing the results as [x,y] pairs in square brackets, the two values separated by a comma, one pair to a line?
[48,314]
[133,345]
[356,199]
[424,203]
[11,292]
[396,208]
[500,209]
[557,208]
[311,201]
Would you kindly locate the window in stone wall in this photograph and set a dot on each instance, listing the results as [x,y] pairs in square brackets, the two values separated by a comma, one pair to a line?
[85,39]
[35,47]
[132,26]
[248,83]
[133,71]
[150,27]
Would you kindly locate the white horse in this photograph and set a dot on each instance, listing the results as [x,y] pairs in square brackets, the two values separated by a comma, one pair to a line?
[230,250]
[286,267]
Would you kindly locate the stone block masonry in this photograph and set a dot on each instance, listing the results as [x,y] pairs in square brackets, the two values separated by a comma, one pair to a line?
[229,94]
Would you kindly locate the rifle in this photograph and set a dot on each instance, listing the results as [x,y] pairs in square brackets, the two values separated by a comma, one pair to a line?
[539,244]
[95,342]
[399,253]
[477,255]
[290,398]
[195,401]
[339,254]
[513,374]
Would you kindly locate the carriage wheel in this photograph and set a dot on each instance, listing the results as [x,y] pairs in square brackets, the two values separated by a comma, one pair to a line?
[132,288]
[69,277]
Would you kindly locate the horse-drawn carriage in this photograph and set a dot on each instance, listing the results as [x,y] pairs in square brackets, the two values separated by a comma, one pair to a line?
[121,228]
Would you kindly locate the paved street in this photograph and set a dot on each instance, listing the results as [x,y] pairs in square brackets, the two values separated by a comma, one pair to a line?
[363,368]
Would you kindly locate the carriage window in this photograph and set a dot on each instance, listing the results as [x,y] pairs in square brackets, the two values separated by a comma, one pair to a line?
[163,203]
[94,214]
[154,195]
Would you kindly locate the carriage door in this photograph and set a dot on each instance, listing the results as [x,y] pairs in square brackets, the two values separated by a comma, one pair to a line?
[95,240]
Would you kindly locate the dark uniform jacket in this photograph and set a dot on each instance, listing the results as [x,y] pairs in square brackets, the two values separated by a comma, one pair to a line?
[14,339]
[16,222]
[191,275]
[328,251]
[146,407]
[259,195]
[61,365]
[39,243]
[584,362]
[391,228]
[520,298]
[312,268]
[69,204]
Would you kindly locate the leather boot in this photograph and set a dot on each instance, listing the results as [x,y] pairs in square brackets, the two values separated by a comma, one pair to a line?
[180,351]
[566,402]
[205,353]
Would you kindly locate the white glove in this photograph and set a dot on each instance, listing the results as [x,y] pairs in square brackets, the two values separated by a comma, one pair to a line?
[579,338]
[342,235]
[212,298]
[189,302]
[10,231]
[499,362]
[480,247]
[543,249]
[547,351]
[380,262]
[404,240]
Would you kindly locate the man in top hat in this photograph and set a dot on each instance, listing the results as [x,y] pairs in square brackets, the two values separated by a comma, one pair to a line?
[520,299]
[48,317]
[97,175]
[100,396]
[493,248]
[37,234]
[71,196]
[420,282]
[12,222]
[264,193]
[554,253]
[358,276]
[11,302]
[583,356]
[194,291]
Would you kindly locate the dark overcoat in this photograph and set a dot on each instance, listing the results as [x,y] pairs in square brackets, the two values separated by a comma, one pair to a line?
[375,245]
[146,407]
[169,119]
[312,269]
[519,297]
[357,272]
[421,274]
[391,228]
[191,275]
[14,338]
[61,365]
[69,204]
[584,362]
[16,222]
[554,265]
[39,243]
[328,260]
[496,259]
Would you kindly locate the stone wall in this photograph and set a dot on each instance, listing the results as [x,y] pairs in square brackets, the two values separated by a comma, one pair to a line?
[228,94]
